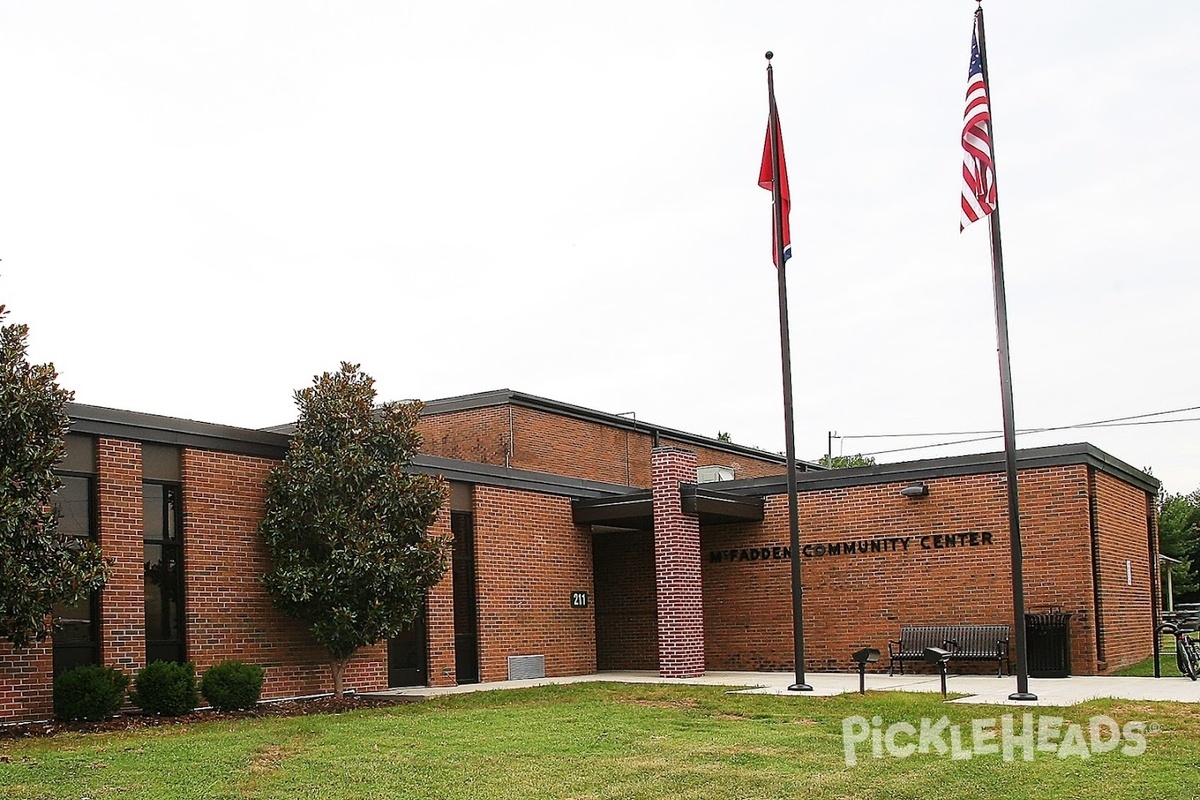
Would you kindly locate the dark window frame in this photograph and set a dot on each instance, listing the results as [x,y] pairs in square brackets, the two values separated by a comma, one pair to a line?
[466,598]
[169,538]
[64,654]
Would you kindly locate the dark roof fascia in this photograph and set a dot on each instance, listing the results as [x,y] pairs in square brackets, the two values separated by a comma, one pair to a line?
[501,397]
[467,402]
[952,466]
[1117,468]
[716,507]
[634,510]
[453,469]
[158,429]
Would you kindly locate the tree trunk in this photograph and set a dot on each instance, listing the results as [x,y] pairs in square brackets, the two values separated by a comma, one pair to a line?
[338,667]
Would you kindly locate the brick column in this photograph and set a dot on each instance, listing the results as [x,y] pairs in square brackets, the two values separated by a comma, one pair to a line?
[439,616]
[677,567]
[122,600]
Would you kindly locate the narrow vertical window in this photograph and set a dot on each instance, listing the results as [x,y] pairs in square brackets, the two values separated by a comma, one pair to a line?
[162,523]
[76,635]
[466,640]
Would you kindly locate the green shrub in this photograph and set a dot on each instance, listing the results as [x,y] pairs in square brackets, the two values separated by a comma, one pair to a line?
[165,688]
[232,685]
[90,692]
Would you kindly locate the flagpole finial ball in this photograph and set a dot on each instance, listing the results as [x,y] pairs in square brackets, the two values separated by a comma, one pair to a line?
[770,55]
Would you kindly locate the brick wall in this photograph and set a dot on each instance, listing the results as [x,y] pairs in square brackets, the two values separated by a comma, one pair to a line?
[562,445]
[479,434]
[1056,544]
[626,609]
[529,557]
[862,599]
[1124,571]
[25,688]
[545,442]
[228,613]
[123,599]
[677,575]
[439,617]
[26,684]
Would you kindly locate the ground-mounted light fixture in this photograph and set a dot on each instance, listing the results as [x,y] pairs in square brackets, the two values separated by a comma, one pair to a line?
[936,655]
[915,490]
[868,655]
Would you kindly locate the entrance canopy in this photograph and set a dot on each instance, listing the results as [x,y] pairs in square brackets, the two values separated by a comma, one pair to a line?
[635,511]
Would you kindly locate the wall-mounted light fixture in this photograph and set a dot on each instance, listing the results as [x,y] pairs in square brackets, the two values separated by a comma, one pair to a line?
[915,490]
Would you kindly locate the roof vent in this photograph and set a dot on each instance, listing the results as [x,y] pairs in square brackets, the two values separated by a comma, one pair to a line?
[713,474]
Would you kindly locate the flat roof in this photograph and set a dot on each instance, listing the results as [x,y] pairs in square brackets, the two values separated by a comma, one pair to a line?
[158,429]
[500,397]
[928,469]
[155,428]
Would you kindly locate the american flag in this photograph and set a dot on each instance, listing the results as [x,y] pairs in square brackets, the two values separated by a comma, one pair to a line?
[979,179]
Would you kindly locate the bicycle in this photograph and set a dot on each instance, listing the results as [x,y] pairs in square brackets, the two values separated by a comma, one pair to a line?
[1187,648]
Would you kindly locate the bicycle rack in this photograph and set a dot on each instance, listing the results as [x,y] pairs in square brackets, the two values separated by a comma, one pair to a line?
[1163,627]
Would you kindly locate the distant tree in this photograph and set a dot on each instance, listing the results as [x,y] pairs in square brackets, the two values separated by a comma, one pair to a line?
[1179,538]
[844,462]
[39,566]
[346,525]
[723,436]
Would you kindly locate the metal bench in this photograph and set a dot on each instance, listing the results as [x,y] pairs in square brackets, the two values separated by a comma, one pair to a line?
[965,643]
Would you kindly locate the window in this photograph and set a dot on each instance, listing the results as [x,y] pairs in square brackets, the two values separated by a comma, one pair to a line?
[162,523]
[76,636]
[466,643]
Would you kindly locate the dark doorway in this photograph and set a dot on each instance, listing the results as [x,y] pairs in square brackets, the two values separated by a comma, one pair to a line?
[626,600]
[406,656]
[466,646]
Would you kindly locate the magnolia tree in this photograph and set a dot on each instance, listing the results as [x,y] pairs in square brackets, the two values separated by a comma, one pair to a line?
[347,524]
[39,566]
[846,462]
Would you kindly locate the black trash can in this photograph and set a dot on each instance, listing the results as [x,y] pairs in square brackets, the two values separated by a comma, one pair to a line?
[1048,644]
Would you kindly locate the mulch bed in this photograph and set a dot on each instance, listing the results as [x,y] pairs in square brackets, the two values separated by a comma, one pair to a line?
[136,720]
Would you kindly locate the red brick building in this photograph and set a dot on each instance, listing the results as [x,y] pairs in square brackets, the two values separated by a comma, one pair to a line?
[586,541]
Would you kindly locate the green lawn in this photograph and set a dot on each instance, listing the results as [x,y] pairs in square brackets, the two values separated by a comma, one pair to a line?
[602,741]
[1168,668]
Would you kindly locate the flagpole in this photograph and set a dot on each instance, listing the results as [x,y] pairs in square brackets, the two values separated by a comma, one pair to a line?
[788,426]
[1006,402]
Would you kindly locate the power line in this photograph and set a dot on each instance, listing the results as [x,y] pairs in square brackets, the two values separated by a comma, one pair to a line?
[981,436]
[1096,424]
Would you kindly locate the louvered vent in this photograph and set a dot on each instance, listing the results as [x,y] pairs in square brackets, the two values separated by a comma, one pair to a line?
[522,668]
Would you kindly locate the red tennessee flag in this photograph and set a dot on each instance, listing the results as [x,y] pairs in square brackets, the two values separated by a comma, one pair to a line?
[766,179]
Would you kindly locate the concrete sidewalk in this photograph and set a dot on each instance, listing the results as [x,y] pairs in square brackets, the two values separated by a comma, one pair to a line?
[977,688]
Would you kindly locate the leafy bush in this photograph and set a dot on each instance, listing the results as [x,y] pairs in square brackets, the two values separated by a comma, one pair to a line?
[232,685]
[90,692]
[165,688]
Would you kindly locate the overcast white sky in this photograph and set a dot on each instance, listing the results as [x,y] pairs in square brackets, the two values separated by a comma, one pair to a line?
[202,205]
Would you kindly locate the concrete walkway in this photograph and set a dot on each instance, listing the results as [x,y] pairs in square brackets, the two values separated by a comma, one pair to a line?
[977,688]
